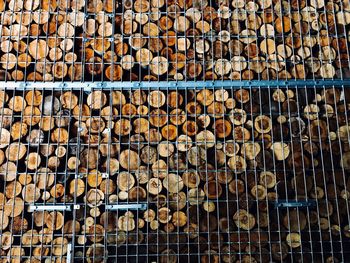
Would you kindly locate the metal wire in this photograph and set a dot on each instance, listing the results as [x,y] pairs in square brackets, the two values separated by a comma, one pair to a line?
[312,182]
[309,201]
[298,30]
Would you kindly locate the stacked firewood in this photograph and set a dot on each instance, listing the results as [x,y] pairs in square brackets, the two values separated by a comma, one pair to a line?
[174,40]
[210,164]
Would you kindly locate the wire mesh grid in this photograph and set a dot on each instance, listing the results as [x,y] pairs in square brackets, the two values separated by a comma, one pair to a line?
[195,175]
[174,40]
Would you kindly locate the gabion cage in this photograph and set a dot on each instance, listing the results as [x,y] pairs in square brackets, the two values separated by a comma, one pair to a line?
[134,175]
[173,131]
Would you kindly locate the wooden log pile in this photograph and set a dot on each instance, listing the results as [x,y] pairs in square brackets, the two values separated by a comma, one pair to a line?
[209,164]
[174,40]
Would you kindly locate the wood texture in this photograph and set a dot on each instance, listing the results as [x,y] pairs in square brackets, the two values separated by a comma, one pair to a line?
[238,40]
[210,164]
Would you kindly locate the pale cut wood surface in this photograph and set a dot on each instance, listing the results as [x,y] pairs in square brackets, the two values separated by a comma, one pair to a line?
[209,163]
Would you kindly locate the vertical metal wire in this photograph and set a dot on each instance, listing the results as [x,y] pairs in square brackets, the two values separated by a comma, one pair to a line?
[345,112]
[264,165]
[203,61]
[76,171]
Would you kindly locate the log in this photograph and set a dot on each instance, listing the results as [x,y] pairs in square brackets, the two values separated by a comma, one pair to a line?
[15,151]
[33,161]
[156,99]
[259,192]
[185,151]
[190,128]
[179,31]
[169,132]
[222,128]
[244,219]
[38,49]
[179,219]
[293,240]
[154,186]
[159,65]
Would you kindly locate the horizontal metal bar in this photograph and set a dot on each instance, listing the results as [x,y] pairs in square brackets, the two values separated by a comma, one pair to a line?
[32,208]
[295,204]
[171,84]
[127,207]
